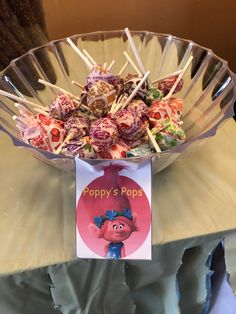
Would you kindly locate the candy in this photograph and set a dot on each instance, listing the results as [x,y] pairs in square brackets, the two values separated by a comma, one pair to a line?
[79,148]
[61,106]
[139,107]
[98,73]
[177,106]
[140,151]
[169,134]
[130,84]
[100,98]
[44,133]
[130,125]
[166,84]
[79,125]
[116,151]
[152,95]
[103,133]
[159,111]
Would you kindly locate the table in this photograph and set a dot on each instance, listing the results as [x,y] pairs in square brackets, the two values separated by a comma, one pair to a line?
[194,205]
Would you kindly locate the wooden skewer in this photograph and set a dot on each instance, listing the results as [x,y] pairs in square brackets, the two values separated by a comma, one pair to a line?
[131,96]
[123,68]
[135,51]
[78,84]
[20,100]
[79,52]
[104,65]
[89,57]
[57,88]
[111,65]
[153,141]
[178,79]
[167,76]
[132,63]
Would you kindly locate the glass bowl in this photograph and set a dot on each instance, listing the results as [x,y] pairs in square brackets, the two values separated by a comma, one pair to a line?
[208,90]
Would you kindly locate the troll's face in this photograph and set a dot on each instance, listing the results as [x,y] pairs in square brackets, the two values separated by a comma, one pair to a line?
[116,230]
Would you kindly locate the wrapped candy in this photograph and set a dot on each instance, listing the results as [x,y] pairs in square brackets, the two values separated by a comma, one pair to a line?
[177,106]
[131,83]
[139,107]
[159,111]
[98,73]
[116,151]
[166,84]
[43,132]
[61,106]
[130,125]
[77,124]
[103,133]
[140,151]
[100,98]
[80,148]
[152,95]
[168,134]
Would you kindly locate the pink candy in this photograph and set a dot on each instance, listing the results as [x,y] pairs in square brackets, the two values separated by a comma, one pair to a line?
[130,124]
[100,74]
[44,133]
[80,148]
[77,124]
[103,133]
[61,106]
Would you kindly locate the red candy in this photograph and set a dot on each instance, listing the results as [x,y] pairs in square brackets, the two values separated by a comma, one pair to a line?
[44,133]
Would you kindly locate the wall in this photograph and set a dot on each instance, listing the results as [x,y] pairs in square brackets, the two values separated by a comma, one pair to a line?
[209,23]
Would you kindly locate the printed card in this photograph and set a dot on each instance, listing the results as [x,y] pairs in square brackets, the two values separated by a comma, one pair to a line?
[113,210]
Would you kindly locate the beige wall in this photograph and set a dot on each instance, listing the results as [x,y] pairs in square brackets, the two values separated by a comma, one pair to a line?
[211,23]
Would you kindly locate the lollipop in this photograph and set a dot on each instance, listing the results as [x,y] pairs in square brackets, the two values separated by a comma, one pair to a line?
[77,124]
[43,132]
[103,133]
[177,106]
[165,85]
[159,111]
[79,148]
[61,106]
[100,98]
[139,107]
[153,94]
[116,151]
[130,125]
[130,85]
[140,151]
[168,134]
[98,73]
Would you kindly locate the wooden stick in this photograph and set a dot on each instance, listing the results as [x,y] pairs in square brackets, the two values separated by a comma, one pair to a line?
[132,63]
[57,88]
[167,76]
[104,65]
[89,57]
[79,52]
[111,65]
[123,106]
[78,84]
[135,51]
[178,79]
[153,141]
[20,100]
[123,68]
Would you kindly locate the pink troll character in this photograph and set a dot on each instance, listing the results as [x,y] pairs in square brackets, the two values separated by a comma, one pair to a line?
[114,220]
